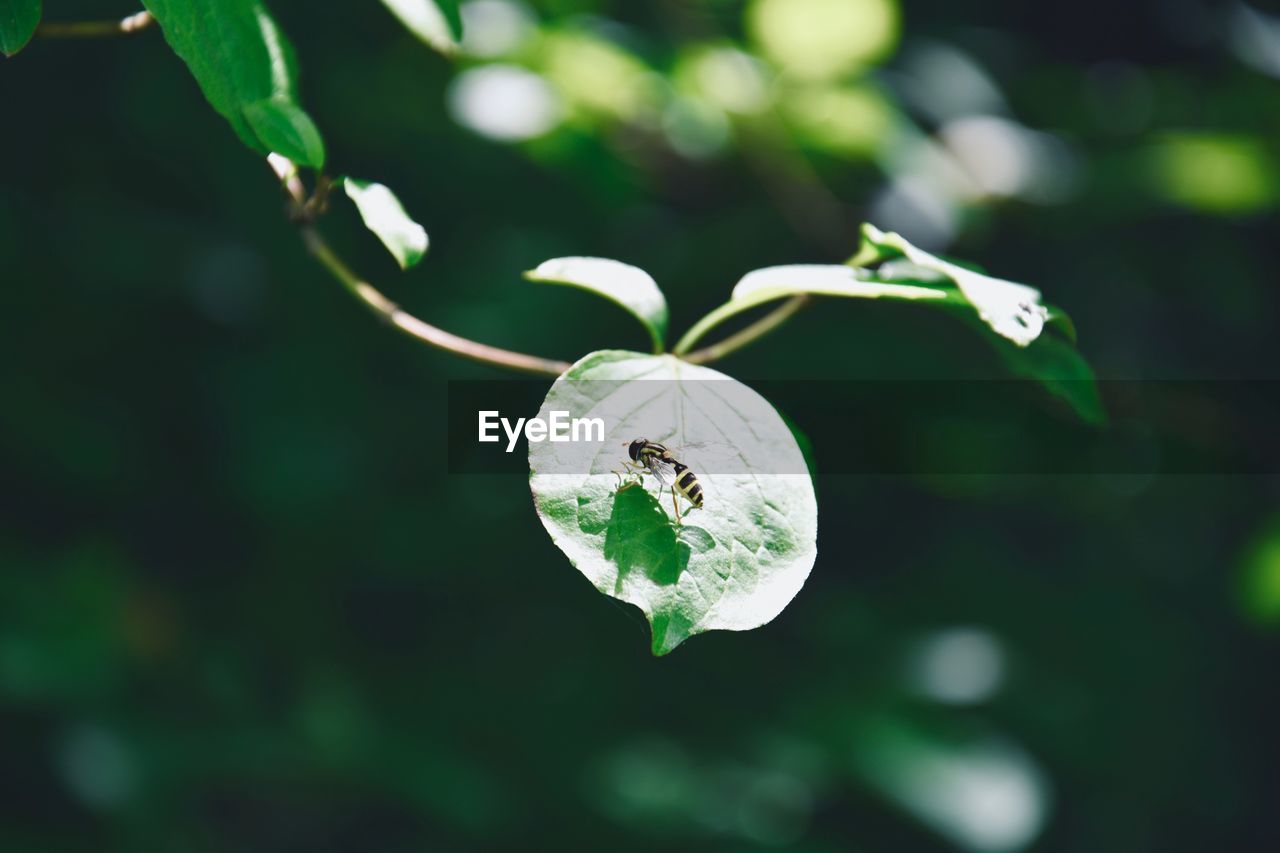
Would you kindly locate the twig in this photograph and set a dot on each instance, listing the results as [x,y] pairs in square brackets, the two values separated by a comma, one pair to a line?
[95,29]
[303,211]
[412,326]
[739,339]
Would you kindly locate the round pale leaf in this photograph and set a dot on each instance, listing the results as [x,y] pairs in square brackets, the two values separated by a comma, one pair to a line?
[732,565]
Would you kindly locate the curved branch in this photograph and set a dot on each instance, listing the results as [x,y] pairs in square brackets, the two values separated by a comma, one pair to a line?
[758,329]
[95,29]
[304,210]
[412,326]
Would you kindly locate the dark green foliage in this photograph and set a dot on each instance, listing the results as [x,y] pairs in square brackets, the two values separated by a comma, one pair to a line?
[244,606]
[18,22]
[247,70]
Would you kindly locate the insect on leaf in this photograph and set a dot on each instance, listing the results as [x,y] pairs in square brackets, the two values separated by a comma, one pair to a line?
[631,287]
[733,564]
[383,214]
[18,22]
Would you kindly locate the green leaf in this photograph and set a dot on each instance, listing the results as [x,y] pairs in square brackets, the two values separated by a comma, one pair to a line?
[1061,369]
[732,565]
[240,58]
[774,283]
[383,214]
[1012,310]
[631,287]
[770,283]
[285,129]
[436,22]
[1052,361]
[18,22]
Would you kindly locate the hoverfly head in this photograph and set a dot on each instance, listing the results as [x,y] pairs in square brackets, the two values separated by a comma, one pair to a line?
[636,446]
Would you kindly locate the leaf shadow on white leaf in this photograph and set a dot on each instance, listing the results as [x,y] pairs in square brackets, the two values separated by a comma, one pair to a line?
[639,535]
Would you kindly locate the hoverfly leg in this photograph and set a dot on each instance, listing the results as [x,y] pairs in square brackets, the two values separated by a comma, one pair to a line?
[629,477]
[675,504]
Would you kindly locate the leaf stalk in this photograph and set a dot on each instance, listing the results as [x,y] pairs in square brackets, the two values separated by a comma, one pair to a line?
[737,340]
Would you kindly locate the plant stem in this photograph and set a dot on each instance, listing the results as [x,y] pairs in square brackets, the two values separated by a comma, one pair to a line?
[412,326]
[95,29]
[739,339]
[304,211]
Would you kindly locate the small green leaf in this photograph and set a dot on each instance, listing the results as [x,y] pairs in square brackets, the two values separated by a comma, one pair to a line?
[436,22]
[631,287]
[383,214]
[732,565]
[1060,368]
[240,58]
[285,129]
[18,22]
[1012,310]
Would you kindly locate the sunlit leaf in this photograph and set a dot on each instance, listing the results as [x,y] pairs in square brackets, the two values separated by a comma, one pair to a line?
[383,214]
[773,283]
[735,563]
[1007,312]
[770,283]
[436,22]
[1012,310]
[631,287]
[18,22]
[240,58]
[285,129]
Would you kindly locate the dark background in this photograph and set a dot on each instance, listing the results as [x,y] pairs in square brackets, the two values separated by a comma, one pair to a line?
[242,607]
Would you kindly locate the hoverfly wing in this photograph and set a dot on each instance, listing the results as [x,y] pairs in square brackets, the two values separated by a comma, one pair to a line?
[662,471]
[705,455]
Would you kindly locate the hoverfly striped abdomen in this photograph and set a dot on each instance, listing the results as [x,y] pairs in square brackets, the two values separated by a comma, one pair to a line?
[687,483]
[658,461]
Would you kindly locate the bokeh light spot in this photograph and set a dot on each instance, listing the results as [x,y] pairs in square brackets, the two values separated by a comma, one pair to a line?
[848,120]
[823,38]
[1260,579]
[1213,173]
[959,666]
[503,102]
[492,28]
[597,76]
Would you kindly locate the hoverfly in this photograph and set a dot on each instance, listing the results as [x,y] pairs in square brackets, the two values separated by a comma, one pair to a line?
[655,459]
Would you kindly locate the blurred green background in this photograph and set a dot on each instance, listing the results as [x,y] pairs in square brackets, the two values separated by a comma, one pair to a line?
[243,607]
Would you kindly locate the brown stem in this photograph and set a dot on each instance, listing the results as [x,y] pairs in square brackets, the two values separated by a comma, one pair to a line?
[95,29]
[303,211]
[412,326]
[758,329]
